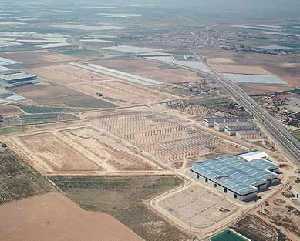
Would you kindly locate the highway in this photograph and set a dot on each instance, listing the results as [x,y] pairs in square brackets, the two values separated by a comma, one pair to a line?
[280,135]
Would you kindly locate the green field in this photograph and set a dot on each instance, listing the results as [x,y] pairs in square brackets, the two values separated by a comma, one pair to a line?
[228,235]
[125,199]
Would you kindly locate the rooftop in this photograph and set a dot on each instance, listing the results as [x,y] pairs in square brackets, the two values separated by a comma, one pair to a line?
[237,174]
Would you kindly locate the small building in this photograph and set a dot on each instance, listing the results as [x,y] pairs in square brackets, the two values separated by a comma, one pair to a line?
[254,155]
[232,130]
[236,176]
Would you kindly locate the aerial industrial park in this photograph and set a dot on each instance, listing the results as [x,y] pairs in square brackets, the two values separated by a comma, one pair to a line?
[118,122]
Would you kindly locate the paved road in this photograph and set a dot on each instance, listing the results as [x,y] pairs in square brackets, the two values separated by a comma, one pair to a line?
[280,135]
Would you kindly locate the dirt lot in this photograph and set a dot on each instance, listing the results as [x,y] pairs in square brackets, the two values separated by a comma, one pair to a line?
[197,207]
[52,217]
[60,96]
[150,69]
[17,180]
[8,110]
[124,198]
[37,58]
[109,152]
[51,153]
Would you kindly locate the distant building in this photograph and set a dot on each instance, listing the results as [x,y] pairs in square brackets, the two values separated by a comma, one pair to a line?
[254,155]
[249,135]
[296,192]
[14,78]
[236,176]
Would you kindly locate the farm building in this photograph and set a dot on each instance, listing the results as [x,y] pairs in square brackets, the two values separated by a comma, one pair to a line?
[232,130]
[241,178]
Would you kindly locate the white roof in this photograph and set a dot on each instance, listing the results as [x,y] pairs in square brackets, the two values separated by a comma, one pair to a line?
[250,156]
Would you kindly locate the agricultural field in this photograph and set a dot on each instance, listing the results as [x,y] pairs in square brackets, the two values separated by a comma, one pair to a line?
[125,198]
[54,215]
[240,69]
[150,69]
[38,58]
[60,96]
[9,110]
[68,75]
[190,208]
[121,93]
[18,180]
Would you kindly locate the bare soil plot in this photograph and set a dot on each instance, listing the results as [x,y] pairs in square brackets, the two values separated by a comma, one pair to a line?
[66,74]
[109,152]
[197,206]
[38,58]
[8,110]
[240,69]
[53,217]
[61,96]
[55,154]
[150,69]
[124,94]
[125,199]
[162,136]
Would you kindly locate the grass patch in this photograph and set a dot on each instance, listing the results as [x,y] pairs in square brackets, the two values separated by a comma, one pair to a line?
[124,198]
[18,180]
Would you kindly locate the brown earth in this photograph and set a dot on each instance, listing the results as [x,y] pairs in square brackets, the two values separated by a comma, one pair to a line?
[53,217]
[37,58]
[55,153]
[150,69]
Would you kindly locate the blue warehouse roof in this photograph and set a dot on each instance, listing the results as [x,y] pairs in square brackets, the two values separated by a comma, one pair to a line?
[235,173]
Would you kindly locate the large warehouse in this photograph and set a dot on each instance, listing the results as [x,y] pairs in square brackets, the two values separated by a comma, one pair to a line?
[235,175]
